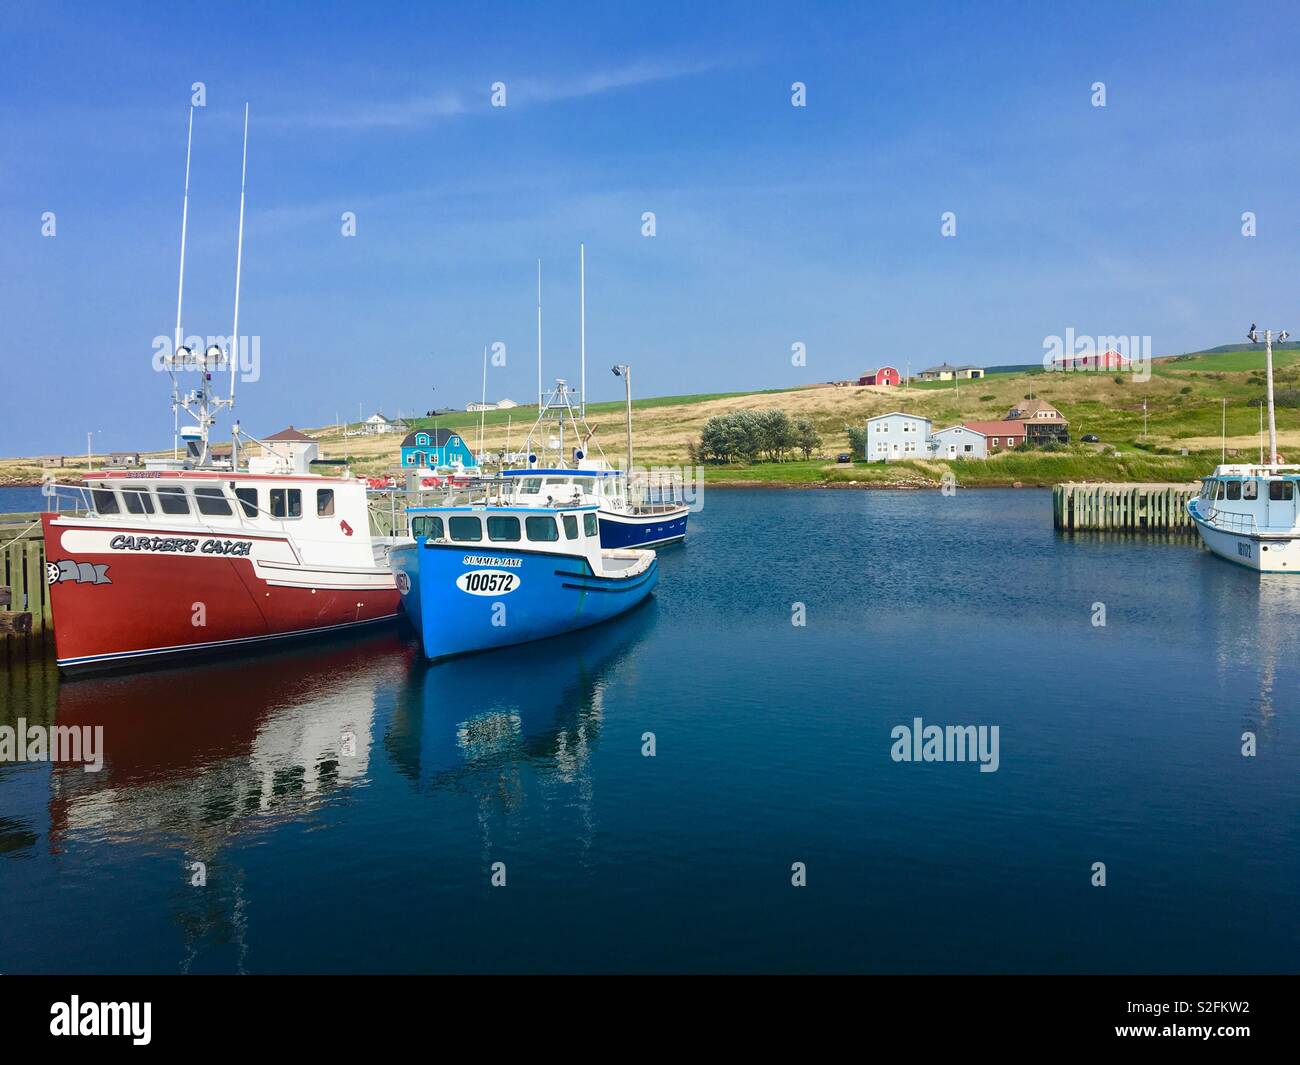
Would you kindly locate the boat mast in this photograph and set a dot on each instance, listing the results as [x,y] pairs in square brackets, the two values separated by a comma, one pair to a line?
[1253,335]
[234,331]
[180,288]
[582,330]
[540,397]
[482,407]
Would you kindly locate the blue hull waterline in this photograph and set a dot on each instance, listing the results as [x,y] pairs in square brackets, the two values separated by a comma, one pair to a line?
[478,596]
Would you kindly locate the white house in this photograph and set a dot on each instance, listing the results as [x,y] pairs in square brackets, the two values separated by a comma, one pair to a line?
[959,442]
[287,451]
[378,424]
[897,436]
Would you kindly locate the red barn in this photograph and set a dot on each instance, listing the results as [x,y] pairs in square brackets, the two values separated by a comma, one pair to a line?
[886,375]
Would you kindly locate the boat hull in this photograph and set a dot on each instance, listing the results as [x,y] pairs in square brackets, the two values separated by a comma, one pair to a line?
[115,607]
[463,601]
[643,530]
[1262,553]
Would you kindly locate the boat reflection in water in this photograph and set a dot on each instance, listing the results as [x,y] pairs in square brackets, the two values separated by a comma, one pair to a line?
[238,763]
[195,759]
[483,724]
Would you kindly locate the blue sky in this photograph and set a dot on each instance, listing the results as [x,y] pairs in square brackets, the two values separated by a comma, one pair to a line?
[775,224]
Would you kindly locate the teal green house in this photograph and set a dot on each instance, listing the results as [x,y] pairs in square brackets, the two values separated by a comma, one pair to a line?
[436,448]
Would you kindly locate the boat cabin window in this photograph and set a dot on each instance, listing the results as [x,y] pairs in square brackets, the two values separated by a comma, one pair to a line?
[1218,490]
[1234,489]
[531,486]
[589,524]
[137,500]
[171,499]
[571,526]
[247,500]
[105,500]
[503,529]
[426,527]
[286,503]
[586,484]
[465,529]
[212,501]
[1250,490]
[1280,490]
[324,502]
[542,530]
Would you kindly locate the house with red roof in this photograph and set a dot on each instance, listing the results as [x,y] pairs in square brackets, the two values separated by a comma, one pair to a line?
[1001,435]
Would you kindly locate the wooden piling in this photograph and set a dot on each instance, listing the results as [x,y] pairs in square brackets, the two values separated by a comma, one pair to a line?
[1123,507]
[25,615]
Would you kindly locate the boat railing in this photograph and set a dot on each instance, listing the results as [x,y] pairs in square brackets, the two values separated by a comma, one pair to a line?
[1223,519]
[655,508]
[63,498]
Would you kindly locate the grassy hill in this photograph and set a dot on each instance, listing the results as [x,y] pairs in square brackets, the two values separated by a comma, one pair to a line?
[1184,400]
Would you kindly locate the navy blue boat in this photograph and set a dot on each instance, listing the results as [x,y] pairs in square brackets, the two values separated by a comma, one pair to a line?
[623,523]
[483,576]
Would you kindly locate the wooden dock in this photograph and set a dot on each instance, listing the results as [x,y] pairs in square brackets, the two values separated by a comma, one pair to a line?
[1123,507]
[25,618]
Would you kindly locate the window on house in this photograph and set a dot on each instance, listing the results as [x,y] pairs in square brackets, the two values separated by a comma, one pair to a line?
[171,499]
[570,527]
[212,501]
[500,529]
[324,502]
[970,447]
[589,525]
[542,530]
[137,500]
[426,527]
[105,501]
[247,501]
[286,503]
[465,529]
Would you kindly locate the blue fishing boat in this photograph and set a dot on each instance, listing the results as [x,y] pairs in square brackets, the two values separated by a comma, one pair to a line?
[483,576]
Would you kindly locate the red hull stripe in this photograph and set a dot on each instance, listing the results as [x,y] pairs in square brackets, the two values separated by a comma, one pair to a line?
[177,648]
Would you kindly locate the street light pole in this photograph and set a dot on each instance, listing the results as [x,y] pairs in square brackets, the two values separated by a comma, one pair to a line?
[624,371]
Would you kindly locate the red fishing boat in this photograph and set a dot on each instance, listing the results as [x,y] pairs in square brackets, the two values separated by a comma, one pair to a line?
[169,562]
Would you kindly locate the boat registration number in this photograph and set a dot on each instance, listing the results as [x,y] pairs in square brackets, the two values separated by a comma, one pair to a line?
[487,582]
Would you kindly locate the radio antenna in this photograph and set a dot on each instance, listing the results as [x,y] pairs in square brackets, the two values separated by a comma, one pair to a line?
[180,284]
[234,329]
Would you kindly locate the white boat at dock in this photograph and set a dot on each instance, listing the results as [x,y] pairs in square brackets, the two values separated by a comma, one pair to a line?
[1246,512]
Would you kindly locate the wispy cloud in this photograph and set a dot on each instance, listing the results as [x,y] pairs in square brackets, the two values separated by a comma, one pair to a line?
[417,111]
[642,72]
[380,114]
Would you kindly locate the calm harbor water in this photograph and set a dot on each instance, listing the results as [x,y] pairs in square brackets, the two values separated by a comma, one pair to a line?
[1118,744]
